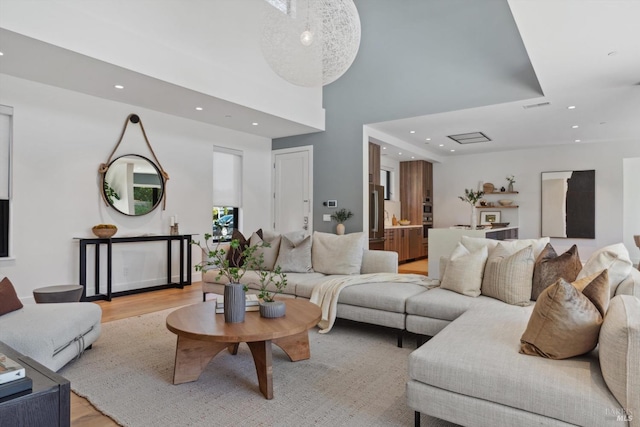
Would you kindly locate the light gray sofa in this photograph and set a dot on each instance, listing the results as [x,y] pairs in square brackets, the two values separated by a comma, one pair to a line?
[52,334]
[471,371]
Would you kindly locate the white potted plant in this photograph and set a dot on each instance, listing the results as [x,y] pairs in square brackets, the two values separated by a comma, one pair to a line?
[340,216]
[472,198]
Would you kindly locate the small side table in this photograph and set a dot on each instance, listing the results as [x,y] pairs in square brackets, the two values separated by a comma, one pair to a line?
[59,293]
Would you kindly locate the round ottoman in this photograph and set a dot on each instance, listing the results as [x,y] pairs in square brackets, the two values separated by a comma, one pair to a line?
[60,293]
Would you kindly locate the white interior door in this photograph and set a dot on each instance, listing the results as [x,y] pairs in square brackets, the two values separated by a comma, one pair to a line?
[293,188]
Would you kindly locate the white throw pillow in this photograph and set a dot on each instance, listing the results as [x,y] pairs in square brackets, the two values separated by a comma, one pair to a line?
[513,246]
[619,351]
[334,254]
[270,253]
[614,258]
[508,277]
[464,271]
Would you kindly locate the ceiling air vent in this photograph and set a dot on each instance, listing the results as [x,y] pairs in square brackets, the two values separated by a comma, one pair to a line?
[541,104]
[469,138]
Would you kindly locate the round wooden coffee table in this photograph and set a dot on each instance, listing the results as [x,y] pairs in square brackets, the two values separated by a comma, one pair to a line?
[202,334]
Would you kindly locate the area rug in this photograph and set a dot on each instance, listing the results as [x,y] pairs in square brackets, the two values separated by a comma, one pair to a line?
[356,377]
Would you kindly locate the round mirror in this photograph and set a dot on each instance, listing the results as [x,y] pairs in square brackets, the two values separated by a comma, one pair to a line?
[133,185]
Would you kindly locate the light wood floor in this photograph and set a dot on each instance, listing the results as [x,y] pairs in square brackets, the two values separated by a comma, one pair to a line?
[83,414]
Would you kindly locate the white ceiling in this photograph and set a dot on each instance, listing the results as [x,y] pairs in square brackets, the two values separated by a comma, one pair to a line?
[586,53]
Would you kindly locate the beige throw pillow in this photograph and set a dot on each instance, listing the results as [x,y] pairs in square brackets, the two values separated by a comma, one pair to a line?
[295,258]
[614,258]
[566,319]
[619,351]
[464,271]
[513,246]
[334,254]
[507,276]
[549,267]
[269,253]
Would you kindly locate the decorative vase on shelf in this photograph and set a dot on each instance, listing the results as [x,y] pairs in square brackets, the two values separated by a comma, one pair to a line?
[510,188]
[340,229]
[234,303]
[474,218]
[272,309]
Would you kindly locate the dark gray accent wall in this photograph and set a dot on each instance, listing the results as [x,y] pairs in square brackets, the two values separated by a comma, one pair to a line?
[416,57]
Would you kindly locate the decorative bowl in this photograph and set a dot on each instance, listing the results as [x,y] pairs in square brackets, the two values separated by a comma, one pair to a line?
[404,222]
[505,202]
[104,231]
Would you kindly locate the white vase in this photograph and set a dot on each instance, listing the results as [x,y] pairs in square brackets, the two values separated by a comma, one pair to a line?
[474,218]
[340,229]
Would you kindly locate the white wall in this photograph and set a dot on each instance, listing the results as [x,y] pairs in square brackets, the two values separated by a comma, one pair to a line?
[61,137]
[458,173]
[631,222]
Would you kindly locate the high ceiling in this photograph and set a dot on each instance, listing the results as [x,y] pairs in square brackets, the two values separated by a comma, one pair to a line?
[586,54]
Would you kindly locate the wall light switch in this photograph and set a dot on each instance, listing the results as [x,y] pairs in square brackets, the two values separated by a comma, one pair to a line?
[326,217]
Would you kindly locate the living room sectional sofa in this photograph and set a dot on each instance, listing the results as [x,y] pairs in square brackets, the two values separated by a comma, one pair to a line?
[470,371]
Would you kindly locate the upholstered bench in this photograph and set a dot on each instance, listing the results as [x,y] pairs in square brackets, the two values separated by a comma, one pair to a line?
[52,334]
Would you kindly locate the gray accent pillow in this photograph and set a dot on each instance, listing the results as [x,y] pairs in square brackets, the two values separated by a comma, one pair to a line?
[294,258]
[508,277]
[334,254]
[270,253]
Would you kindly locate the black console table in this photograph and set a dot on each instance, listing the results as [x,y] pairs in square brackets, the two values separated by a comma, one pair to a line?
[185,248]
[48,402]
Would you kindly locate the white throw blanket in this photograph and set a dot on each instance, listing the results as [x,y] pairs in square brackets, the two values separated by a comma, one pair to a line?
[326,294]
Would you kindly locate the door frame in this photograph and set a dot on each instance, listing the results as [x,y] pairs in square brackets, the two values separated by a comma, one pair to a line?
[274,153]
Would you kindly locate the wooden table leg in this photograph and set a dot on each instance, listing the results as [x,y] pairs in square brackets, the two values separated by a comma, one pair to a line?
[192,356]
[295,346]
[261,351]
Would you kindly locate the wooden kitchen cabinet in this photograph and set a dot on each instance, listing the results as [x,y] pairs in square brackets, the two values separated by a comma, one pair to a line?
[416,185]
[374,164]
[407,242]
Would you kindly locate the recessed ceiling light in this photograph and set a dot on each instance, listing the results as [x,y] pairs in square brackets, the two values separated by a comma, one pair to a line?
[571,107]
[413,157]
[399,154]
[199,108]
[1,53]
[255,123]
[119,87]
[412,131]
[427,139]
[577,140]
[384,148]
[575,127]
[453,151]
[441,145]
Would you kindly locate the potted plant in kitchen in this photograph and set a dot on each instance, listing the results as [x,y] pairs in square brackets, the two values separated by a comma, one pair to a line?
[231,263]
[472,198]
[340,216]
[269,307]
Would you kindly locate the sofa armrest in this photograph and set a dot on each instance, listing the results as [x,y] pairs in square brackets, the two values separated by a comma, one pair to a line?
[379,262]
[630,285]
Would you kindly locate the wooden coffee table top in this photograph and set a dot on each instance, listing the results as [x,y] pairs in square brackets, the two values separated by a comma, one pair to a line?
[200,322]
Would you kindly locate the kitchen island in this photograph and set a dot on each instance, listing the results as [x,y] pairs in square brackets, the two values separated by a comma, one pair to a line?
[442,241]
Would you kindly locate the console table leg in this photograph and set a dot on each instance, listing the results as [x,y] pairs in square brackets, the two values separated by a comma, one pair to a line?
[261,351]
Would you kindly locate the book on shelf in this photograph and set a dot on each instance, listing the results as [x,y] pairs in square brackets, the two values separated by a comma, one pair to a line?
[15,388]
[251,300]
[246,308]
[10,370]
